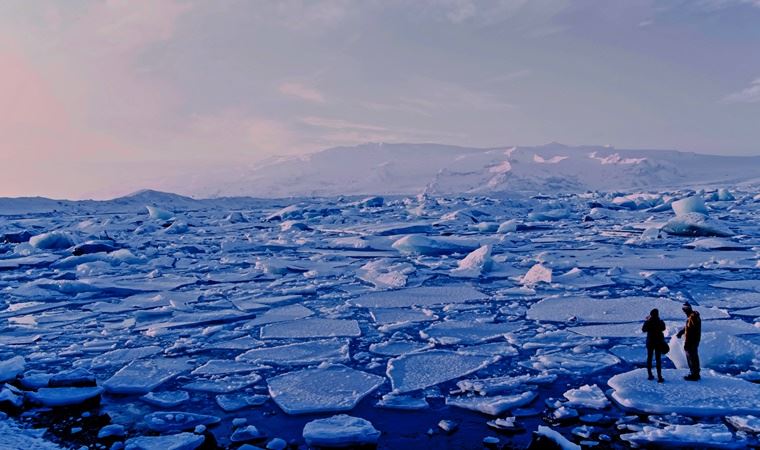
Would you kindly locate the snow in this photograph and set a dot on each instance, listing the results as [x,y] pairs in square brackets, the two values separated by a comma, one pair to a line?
[157,213]
[416,371]
[322,389]
[341,431]
[713,395]
[52,240]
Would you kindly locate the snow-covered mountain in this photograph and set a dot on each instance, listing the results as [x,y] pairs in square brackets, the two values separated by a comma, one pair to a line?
[444,169]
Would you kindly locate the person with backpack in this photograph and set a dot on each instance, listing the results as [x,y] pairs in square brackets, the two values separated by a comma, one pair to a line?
[654,327]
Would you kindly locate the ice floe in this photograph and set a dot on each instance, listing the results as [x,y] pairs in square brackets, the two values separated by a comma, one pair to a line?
[322,389]
[341,431]
[713,395]
[414,371]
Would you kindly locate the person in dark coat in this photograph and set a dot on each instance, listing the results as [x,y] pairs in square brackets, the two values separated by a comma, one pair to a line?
[692,333]
[654,328]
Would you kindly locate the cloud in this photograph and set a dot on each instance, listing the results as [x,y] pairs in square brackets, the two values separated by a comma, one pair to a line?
[301,91]
[748,95]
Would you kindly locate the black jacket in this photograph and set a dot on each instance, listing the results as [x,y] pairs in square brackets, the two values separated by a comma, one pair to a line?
[654,328]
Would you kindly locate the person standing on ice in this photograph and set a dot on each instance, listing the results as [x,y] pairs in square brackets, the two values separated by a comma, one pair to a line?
[693,333]
[654,328]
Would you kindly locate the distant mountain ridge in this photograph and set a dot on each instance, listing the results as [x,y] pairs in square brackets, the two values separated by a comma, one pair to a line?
[444,169]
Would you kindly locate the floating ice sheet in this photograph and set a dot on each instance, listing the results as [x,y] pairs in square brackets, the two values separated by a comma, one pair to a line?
[312,352]
[613,310]
[322,389]
[466,332]
[415,371]
[340,431]
[713,395]
[420,296]
[494,406]
[311,328]
[144,375]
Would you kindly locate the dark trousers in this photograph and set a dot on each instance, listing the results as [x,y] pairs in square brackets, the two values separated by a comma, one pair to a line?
[654,349]
[692,358]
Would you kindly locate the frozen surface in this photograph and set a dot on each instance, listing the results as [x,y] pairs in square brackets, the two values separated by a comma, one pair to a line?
[323,389]
[420,370]
[713,395]
[341,431]
[689,436]
[239,309]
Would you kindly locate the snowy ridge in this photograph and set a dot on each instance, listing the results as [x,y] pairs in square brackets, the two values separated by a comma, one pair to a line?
[443,169]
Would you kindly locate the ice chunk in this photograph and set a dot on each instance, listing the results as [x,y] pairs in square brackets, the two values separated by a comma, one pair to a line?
[157,213]
[371,202]
[330,350]
[311,328]
[280,314]
[173,421]
[688,205]
[508,226]
[10,369]
[396,348]
[222,385]
[549,215]
[384,274]
[224,367]
[612,310]
[246,433]
[340,431]
[699,435]
[494,406]
[716,350]
[745,423]
[696,224]
[474,264]
[123,356]
[416,244]
[557,438]
[234,402]
[587,396]
[144,375]
[52,240]
[575,364]
[65,396]
[322,389]
[713,395]
[537,274]
[168,399]
[415,371]
[181,441]
[715,244]
[419,296]
[466,332]
[402,402]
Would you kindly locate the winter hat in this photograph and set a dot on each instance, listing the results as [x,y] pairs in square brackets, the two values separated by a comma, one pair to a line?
[686,307]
